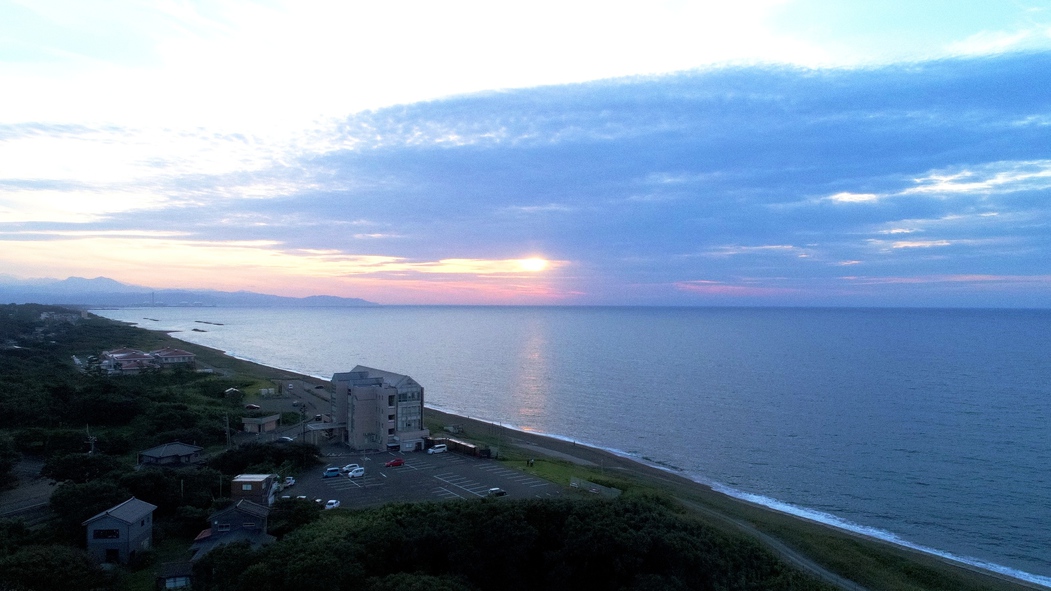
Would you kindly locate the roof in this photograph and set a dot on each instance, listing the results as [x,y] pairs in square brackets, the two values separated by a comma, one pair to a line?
[253,477]
[175,569]
[368,376]
[171,449]
[172,352]
[204,544]
[246,506]
[129,511]
[242,506]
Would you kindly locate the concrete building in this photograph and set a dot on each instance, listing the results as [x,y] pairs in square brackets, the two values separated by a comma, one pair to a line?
[382,409]
[258,488]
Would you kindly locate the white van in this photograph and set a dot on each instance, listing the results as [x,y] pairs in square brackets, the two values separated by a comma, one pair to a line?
[438,449]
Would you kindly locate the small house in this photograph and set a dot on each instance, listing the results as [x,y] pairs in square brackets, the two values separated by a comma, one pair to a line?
[242,521]
[120,533]
[171,455]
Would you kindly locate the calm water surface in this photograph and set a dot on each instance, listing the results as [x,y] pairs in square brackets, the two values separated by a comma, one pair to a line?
[928,427]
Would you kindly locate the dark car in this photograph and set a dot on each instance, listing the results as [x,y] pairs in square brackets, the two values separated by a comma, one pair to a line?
[495,492]
[251,407]
[395,462]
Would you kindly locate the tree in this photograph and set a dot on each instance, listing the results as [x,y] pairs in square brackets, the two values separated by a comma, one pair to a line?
[56,568]
[76,503]
[81,468]
[9,457]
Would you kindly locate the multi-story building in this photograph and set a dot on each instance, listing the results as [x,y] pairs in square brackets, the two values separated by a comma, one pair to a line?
[383,410]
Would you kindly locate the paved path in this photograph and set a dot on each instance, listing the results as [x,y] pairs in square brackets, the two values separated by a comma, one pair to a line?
[555,454]
[780,549]
[776,546]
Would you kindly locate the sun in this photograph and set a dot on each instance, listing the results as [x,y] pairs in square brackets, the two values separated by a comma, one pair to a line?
[532,265]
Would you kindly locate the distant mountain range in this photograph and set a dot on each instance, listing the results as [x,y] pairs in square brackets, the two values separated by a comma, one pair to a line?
[102,292]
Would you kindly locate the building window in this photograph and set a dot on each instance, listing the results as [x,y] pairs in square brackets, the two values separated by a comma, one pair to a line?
[390,431]
[390,400]
[246,487]
[106,534]
[222,527]
[390,417]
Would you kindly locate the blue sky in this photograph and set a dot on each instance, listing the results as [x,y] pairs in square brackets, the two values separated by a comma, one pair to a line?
[769,153]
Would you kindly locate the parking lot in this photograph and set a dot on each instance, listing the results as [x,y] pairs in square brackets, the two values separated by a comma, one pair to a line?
[423,477]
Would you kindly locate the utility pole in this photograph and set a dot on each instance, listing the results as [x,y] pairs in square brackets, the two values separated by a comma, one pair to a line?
[91,439]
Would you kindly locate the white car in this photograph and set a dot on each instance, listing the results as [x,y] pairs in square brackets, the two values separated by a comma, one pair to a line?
[349,467]
[438,449]
[356,472]
[332,504]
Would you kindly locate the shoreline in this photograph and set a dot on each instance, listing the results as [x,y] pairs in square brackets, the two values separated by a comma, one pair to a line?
[596,457]
[681,485]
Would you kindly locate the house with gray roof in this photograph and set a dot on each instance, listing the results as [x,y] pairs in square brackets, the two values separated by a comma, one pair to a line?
[121,533]
[242,521]
[171,455]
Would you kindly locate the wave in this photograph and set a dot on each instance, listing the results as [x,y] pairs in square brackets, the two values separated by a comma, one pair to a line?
[877,533]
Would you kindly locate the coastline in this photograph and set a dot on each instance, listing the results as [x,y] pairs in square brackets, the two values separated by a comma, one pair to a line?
[687,489]
[735,512]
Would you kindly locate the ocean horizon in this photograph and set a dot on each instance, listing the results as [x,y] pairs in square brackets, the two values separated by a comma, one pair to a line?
[928,428]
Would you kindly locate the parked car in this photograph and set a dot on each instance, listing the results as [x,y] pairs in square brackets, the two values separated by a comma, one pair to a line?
[438,449]
[251,407]
[356,473]
[330,472]
[495,492]
[332,504]
[289,481]
[395,462]
[349,467]
[285,439]
[317,417]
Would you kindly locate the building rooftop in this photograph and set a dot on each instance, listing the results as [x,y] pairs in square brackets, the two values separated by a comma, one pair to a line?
[129,511]
[175,448]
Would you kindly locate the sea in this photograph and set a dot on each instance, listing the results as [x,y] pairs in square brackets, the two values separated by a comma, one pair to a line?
[928,428]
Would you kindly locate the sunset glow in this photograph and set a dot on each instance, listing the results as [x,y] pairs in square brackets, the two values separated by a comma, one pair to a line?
[669,153]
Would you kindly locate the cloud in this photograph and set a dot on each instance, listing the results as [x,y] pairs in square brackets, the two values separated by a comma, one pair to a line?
[762,172]
[920,243]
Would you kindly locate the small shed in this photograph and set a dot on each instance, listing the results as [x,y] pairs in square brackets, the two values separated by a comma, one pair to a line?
[174,575]
[261,424]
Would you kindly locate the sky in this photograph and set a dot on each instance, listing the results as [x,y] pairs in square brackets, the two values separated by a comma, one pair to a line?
[764,152]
